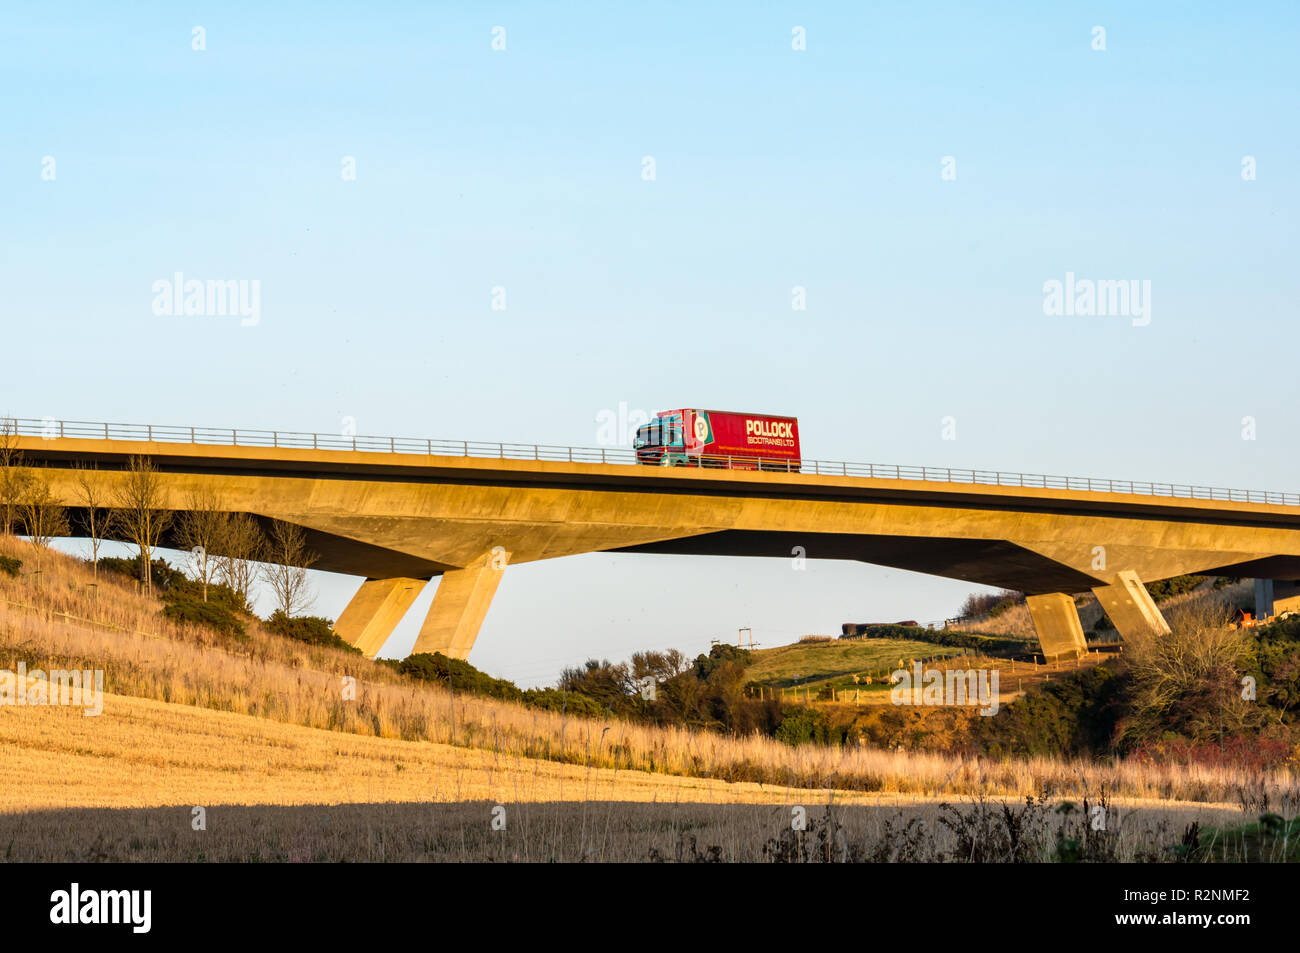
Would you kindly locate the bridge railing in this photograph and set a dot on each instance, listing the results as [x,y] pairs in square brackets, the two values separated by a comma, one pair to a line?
[227,436]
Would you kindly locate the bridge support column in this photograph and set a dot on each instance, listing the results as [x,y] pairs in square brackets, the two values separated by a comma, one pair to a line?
[1263,598]
[1130,607]
[1060,634]
[369,619]
[460,605]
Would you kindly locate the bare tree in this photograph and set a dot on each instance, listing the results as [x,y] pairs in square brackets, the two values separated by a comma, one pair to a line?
[93,497]
[286,569]
[43,516]
[242,546]
[200,529]
[1189,680]
[140,513]
[12,475]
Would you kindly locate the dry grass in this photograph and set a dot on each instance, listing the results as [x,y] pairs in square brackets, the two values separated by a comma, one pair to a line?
[143,753]
[592,832]
[281,681]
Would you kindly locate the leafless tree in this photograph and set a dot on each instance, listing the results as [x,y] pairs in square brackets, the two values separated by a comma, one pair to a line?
[93,496]
[1189,679]
[242,547]
[43,516]
[286,568]
[12,475]
[200,529]
[138,507]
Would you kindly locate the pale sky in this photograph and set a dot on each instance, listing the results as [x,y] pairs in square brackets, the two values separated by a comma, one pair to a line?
[920,171]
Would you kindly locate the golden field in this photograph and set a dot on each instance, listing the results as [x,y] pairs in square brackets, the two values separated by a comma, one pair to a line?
[123,785]
[259,733]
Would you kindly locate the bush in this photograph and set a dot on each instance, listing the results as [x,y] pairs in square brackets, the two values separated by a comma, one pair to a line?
[719,655]
[10,565]
[989,644]
[211,614]
[173,586]
[161,574]
[1173,586]
[307,628]
[184,589]
[458,675]
[990,603]
[1073,715]
[573,703]
[611,685]
[807,726]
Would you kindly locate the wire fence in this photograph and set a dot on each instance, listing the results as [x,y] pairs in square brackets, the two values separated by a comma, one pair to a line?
[51,429]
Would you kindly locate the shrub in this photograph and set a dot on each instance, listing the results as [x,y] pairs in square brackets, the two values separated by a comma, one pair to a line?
[307,628]
[706,665]
[611,685]
[1188,681]
[573,703]
[807,726]
[458,675]
[989,644]
[211,614]
[990,603]
[10,565]
[184,589]
[173,586]
[1173,586]
[162,574]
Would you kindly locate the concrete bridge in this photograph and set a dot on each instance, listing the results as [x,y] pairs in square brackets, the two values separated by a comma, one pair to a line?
[400,512]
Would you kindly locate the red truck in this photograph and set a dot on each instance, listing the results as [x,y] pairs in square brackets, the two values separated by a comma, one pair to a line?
[719,438]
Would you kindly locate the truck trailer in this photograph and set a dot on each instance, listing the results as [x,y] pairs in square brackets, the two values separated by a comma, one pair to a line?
[719,439]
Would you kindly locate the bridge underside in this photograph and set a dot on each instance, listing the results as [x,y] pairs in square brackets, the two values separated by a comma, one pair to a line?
[983,561]
[400,520]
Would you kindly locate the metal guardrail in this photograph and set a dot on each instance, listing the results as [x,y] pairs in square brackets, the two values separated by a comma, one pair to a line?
[226,436]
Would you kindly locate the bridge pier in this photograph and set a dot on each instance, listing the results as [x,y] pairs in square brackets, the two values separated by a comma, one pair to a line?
[460,604]
[1060,634]
[369,619]
[1130,607]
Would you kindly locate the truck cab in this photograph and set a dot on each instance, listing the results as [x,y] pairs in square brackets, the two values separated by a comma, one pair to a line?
[661,442]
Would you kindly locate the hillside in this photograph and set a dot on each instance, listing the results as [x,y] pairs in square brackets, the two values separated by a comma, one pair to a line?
[194,715]
[815,662]
[55,617]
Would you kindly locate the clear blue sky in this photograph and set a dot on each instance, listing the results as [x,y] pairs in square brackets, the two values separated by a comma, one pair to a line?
[774,168]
